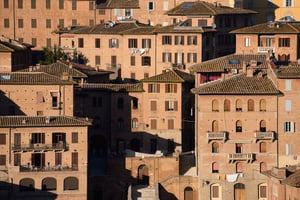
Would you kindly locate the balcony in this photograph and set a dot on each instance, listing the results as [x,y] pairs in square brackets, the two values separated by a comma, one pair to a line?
[41,147]
[249,157]
[51,169]
[217,136]
[269,135]
[265,49]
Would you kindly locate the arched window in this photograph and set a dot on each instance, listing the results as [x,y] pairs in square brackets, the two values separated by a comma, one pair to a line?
[239,191]
[215,105]
[263,147]
[188,193]
[238,105]
[71,183]
[120,123]
[215,147]
[250,105]
[215,167]
[262,126]
[215,191]
[134,123]
[226,105]
[120,103]
[26,184]
[262,190]
[239,127]
[143,175]
[262,105]
[215,126]
[48,184]
[239,167]
[262,166]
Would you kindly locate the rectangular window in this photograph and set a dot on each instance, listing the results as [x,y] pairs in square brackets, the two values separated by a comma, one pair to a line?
[113,43]
[61,23]
[6,23]
[146,43]
[146,75]
[283,42]
[55,103]
[166,57]
[117,12]
[2,159]
[33,23]
[48,4]
[97,60]
[135,103]
[171,88]
[288,149]
[153,124]
[288,85]
[192,40]
[153,105]
[166,5]
[74,22]
[97,43]
[132,43]
[17,159]
[38,138]
[61,4]
[247,42]
[58,158]
[263,191]
[170,123]
[48,23]
[6,4]
[192,57]
[34,42]
[91,22]
[74,4]
[146,61]
[20,4]
[74,137]
[202,22]
[171,105]
[39,96]
[132,75]
[2,138]
[91,5]
[153,88]
[166,40]
[288,105]
[132,60]
[101,12]
[48,42]
[289,127]
[80,43]
[33,4]
[20,23]
[179,58]
[74,160]
[128,12]
[269,42]
[151,6]
[179,40]
[289,3]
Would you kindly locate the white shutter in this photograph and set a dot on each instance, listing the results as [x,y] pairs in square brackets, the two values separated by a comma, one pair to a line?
[153,6]
[288,105]
[131,12]
[288,149]
[292,127]
[166,5]
[288,85]
[124,11]
[117,12]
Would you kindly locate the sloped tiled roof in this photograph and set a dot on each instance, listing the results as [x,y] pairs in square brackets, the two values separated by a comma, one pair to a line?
[233,61]
[30,78]
[137,87]
[57,69]
[170,76]
[90,70]
[238,85]
[288,72]
[268,28]
[197,8]
[11,46]
[293,179]
[110,4]
[38,121]
[175,28]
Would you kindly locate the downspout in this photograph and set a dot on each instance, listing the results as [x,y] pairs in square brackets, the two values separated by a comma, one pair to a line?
[9,146]
[155,58]
[14,17]
[277,149]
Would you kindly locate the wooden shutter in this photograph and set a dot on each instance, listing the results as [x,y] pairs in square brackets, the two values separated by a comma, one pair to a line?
[226,105]
[75,137]
[263,167]
[215,191]
[195,40]
[239,105]
[215,126]
[39,97]
[17,159]
[263,105]
[58,158]
[43,138]
[239,167]
[2,159]
[175,105]
[33,159]
[153,105]
[176,58]
[188,57]
[175,88]
[215,166]
[164,57]
[263,191]
[132,60]
[166,105]
[17,139]
[149,88]
[158,87]
[43,158]
[153,124]
[170,123]
[263,147]
[250,105]
[3,138]
[75,159]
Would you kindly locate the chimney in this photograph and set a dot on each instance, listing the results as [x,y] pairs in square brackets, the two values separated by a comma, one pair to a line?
[244,66]
[250,72]
[253,63]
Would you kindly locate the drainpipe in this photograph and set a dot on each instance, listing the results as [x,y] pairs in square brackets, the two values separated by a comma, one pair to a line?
[14,17]
[9,145]
[155,58]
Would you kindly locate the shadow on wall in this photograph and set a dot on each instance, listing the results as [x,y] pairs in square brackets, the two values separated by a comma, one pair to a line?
[8,107]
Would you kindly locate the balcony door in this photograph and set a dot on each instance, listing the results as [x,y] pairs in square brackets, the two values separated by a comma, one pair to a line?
[239,192]
[37,160]
[58,139]
[17,140]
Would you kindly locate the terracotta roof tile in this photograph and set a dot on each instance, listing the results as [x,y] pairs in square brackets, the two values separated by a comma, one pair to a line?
[170,76]
[88,70]
[293,179]
[270,28]
[204,8]
[38,121]
[238,85]
[288,72]
[176,28]
[30,78]
[138,87]
[233,61]
[110,4]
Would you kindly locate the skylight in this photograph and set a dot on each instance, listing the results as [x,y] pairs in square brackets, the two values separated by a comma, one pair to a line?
[187,5]
[234,61]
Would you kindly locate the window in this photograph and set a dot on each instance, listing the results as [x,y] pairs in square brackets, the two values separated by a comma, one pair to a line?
[247,42]
[146,61]
[5,4]
[289,3]
[135,103]
[250,105]
[150,6]
[171,88]
[48,184]
[91,5]
[132,43]
[74,22]
[48,4]
[215,147]
[39,96]
[166,57]
[2,138]
[262,126]
[166,5]
[6,23]
[289,127]
[202,22]
[170,123]
[146,75]
[239,167]
[192,40]
[74,5]
[120,103]
[61,4]
[171,105]
[153,105]
[146,43]
[226,105]
[132,60]
[97,60]
[71,183]
[288,85]
[238,105]
[17,159]
[288,105]
[215,105]
[20,4]
[61,23]
[215,191]
[262,147]
[263,166]
[134,123]
[166,40]
[113,43]
[33,23]
[91,22]
[74,137]
[215,126]
[179,58]
[283,42]
[239,127]
[153,124]
[80,43]
[153,88]
[132,75]
[38,138]
[262,105]
[288,149]
[128,12]
[192,57]
[20,23]
[97,43]
[262,191]
[55,103]
[74,160]
[179,40]
[101,12]
[215,167]
[58,158]
[33,4]
[48,23]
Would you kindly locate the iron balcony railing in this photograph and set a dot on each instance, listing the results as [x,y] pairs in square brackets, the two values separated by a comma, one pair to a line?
[41,147]
[269,135]
[47,168]
[222,135]
[241,156]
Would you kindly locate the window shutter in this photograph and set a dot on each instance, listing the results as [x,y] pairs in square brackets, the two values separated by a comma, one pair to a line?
[124,11]
[2,138]
[175,88]
[153,106]
[32,159]
[166,105]
[158,88]
[176,58]
[43,138]
[293,127]
[170,123]
[175,105]
[263,191]
[189,57]
[17,159]
[153,123]
[164,57]
[149,88]
[215,167]
[58,158]
[215,191]
[239,167]
[182,60]
[75,137]
[75,159]
[39,97]
[167,88]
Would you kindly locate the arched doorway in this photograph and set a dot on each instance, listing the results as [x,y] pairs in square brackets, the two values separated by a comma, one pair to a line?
[239,191]
[143,175]
[188,193]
